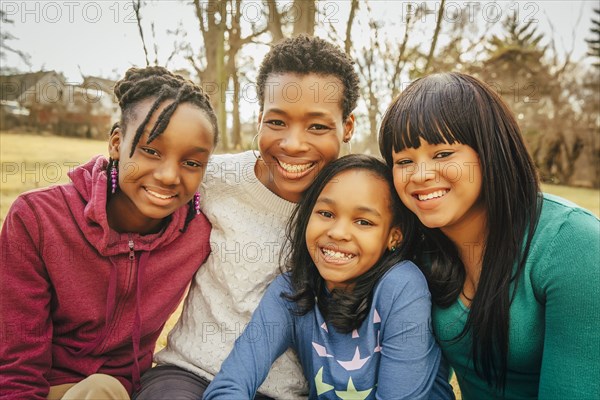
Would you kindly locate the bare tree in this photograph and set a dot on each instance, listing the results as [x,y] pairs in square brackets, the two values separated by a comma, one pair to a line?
[304,21]
[436,33]
[137,5]
[274,21]
[348,41]
[5,37]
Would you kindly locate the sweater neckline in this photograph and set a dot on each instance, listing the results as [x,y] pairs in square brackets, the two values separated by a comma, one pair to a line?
[255,187]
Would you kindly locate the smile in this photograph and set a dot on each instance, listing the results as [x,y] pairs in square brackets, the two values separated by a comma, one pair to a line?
[337,255]
[432,195]
[295,168]
[160,196]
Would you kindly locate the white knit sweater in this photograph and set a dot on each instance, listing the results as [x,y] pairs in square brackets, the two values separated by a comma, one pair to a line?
[248,223]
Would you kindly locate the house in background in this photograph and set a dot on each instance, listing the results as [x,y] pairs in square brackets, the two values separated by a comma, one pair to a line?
[40,93]
[84,109]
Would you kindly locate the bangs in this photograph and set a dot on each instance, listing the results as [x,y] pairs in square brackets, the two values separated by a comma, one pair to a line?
[412,126]
[438,109]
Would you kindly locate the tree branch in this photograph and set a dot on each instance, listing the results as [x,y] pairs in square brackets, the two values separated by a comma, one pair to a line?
[136,7]
[348,41]
[438,27]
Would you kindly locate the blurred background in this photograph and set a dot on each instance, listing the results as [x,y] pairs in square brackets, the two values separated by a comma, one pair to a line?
[60,60]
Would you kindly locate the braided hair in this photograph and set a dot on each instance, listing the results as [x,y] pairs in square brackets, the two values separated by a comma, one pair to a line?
[161,84]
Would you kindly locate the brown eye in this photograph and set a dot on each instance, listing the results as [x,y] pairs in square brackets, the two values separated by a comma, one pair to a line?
[443,154]
[193,164]
[403,162]
[149,151]
[326,214]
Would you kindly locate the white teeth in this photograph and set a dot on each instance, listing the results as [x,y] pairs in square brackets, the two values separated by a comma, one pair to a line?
[432,195]
[337,254]
[160,196]
[295,167]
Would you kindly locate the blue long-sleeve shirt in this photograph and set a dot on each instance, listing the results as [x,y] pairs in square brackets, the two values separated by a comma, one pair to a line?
[392,355]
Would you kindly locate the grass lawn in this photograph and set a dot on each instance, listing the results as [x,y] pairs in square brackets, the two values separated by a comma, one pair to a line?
[33,161]
[586,198]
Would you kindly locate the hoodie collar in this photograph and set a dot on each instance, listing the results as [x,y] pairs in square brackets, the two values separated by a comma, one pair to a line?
[90,182]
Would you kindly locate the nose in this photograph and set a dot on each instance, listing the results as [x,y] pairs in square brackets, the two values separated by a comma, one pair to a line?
[167,173]
[294,140]
[422,171]
[339,230]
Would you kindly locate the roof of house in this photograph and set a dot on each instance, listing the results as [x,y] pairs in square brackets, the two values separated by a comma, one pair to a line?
[95,82]
[13,86]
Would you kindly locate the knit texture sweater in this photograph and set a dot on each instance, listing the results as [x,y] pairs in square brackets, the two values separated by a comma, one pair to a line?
[248,224]
[391,355]
[554,326]
[79,298]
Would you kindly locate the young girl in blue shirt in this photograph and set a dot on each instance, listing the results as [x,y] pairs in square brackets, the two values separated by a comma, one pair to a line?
[353,310]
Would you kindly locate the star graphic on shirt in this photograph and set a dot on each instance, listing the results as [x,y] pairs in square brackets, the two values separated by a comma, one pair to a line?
[321,350]
[324,326]
[351,393]
[376,317]
[355,334]
[378,347]
[355,363]
[321,386]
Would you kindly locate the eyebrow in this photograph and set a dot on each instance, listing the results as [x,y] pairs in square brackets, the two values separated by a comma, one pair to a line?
[193,149]
[310,114]
[197,149]
[331,202]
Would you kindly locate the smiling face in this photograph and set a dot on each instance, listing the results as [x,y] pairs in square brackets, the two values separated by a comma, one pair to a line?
[349,230]
[301,131]
[160,176]
[441,184]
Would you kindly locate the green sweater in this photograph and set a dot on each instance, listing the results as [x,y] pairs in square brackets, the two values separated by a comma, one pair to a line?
[554,328]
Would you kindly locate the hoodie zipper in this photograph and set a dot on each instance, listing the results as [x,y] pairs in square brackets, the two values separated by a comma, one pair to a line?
[121,298]
[131,252]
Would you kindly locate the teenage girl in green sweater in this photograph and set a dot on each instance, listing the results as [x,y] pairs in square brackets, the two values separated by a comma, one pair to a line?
[514,273]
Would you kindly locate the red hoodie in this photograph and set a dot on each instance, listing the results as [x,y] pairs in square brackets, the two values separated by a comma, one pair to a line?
[78,298]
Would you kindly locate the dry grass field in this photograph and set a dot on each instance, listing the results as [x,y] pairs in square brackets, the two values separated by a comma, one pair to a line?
[33,161]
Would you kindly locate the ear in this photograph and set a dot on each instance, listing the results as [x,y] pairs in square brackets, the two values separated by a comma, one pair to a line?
[114,143]
[349,127]
[394,238]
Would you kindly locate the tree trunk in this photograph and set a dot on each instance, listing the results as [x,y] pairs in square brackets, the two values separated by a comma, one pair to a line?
[303,16]
[274,22]
[436,33]
[236,134]
[214,77]
[373,111]
[348,41]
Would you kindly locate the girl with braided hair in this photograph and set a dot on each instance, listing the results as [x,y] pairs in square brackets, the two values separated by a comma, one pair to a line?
[91,270]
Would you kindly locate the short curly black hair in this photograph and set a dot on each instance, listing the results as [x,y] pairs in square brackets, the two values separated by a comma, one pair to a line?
[304,55]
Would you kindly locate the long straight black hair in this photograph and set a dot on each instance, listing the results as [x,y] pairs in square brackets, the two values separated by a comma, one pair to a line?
[458,108]
[345,310]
